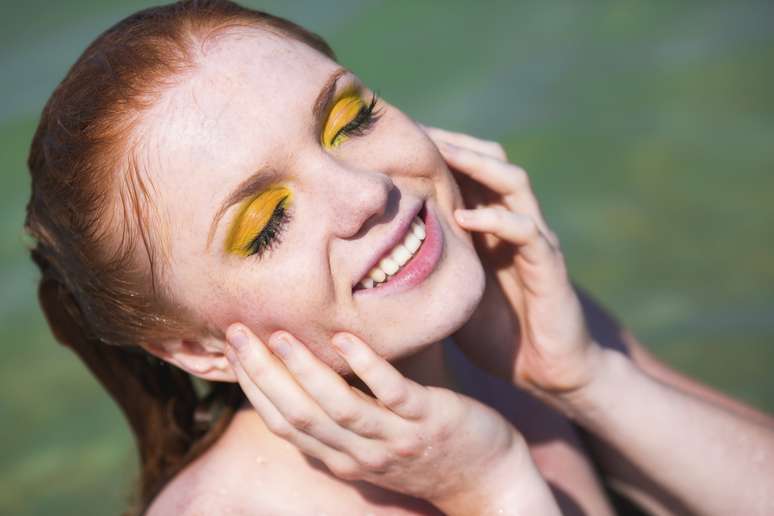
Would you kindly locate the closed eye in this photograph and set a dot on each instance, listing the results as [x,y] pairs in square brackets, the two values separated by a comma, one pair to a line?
[260,223]
[350,116]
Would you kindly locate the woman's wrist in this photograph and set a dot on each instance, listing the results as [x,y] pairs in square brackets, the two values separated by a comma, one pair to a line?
[609,374]
[509,485]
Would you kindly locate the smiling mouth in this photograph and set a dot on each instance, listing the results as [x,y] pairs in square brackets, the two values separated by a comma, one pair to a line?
[397,258]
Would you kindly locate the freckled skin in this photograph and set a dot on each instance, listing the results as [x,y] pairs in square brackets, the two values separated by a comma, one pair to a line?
[247,106]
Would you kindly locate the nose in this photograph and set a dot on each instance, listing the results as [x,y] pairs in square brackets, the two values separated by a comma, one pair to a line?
[358,198]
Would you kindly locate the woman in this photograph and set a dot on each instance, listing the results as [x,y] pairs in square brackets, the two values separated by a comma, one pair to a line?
[208,175]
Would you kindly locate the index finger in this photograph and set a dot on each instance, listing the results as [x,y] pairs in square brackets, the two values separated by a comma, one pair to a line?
[504,178]
[487,147]
[341,402]
[399,394]
[500,176]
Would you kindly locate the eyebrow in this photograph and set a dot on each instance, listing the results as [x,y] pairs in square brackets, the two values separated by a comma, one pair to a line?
[253,185]
[263,178]
[326,94]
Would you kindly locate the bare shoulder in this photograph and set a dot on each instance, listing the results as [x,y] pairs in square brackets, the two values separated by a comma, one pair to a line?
[250,471]
[203,488]
[221,481]
[246,472]
[185,503]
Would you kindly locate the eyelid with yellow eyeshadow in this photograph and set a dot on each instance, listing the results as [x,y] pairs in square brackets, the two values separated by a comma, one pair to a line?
[261,219]
[259,222]
[350,115]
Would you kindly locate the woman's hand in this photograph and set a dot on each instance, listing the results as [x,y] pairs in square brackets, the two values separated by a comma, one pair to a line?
[631,416]
[426,442]
[529,326]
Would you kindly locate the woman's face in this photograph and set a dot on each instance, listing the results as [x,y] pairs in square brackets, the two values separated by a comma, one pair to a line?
[279,194]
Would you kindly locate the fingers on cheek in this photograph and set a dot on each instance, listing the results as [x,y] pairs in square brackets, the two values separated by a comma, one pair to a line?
[330,457]
[274,421]
[514,183]
[505,179]
[496,150]
[244,348]
[386,383]
[374,459]
[344,467]
[495,219]
[487,147]
[521,230]
[341,464]
[404,399]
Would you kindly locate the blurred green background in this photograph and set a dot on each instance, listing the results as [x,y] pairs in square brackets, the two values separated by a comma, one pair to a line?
[648,129]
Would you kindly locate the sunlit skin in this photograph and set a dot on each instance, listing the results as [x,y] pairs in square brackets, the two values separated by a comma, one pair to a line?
[248,107]
[253,111]
[257,212]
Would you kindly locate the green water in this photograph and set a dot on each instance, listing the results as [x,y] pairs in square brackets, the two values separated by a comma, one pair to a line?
[648,129]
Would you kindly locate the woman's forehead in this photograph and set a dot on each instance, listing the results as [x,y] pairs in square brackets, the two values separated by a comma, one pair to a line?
[244,105]
[248,95]
[261,59]
[254,76]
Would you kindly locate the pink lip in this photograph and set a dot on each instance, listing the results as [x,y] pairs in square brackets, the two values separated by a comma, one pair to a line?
[396,237]
[421,264]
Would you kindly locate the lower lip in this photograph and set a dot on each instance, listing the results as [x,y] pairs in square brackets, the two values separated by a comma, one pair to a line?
[419,267]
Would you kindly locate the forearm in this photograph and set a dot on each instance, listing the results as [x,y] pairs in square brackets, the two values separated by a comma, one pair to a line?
[611,334]
[705,458]
[666,375]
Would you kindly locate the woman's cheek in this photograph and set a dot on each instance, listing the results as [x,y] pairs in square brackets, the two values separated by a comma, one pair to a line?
[292,296]
[411,150]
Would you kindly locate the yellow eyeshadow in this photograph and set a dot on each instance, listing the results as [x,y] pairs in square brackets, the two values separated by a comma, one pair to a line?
[343,112]
[253,217]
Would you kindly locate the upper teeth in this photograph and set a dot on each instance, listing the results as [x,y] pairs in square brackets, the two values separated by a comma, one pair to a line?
[397,257]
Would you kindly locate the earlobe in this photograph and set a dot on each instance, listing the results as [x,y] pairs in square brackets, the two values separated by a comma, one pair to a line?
[203,359]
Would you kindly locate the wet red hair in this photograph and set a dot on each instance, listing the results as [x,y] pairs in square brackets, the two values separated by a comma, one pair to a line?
[96,236]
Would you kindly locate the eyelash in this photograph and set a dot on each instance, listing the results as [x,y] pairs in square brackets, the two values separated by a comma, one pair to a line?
[271,234]
[363,121]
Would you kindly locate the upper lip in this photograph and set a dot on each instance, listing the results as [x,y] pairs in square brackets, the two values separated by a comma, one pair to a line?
[395,237]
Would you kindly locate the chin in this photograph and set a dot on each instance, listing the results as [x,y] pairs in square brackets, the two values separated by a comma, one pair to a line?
[458,298]
[438,308]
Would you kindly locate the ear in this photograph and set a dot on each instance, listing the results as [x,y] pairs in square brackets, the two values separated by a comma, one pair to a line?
[203,358]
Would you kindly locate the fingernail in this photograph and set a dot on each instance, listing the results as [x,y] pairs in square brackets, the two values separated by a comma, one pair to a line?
[343,344]
[281,346]
[238,339]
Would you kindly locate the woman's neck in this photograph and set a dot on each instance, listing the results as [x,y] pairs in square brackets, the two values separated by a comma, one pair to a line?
[429,366]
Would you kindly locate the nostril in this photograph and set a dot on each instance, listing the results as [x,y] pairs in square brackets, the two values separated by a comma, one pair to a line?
[381,196]
[370,212]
